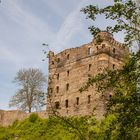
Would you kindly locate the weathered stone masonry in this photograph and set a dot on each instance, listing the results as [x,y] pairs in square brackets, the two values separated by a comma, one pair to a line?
[8,117]
[69,70]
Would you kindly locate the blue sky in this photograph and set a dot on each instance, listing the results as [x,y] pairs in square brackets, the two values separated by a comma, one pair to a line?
[26,24]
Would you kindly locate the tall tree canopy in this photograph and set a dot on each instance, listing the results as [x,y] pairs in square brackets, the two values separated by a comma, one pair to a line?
[31,93]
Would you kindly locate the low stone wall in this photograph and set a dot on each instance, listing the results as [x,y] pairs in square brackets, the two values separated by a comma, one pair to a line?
[8,117]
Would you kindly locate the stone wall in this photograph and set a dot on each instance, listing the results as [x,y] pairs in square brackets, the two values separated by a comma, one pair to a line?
[8,117]
[69,71]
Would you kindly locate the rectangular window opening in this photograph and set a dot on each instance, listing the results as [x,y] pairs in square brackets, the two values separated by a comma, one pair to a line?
[89,51]
[89,98]
[67,87]
[89,67]
[57,105]
[68,56]
[77,100]
[114,50]
[68,72]
[66,103]
[113,66]
[58,76]
[58,60]
[57,89]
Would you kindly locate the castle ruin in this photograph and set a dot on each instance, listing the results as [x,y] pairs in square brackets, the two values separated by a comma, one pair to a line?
[69,70]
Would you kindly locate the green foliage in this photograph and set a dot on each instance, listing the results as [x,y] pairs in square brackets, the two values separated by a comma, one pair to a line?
[5,134]
[59,128]
[54,128]
[125,101]
[126,15]
[124,83]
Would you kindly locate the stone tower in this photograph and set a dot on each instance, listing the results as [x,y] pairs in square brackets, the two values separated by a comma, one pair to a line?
[69,71]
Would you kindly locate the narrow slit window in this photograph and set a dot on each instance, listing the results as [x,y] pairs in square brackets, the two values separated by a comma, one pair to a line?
[89,67]
[114,50]
[68,56]
[57,89]
[66,103]
[89,51]
[67,87]
[89,98]
[58,76]
[68,72]
[77,100]
[113,66]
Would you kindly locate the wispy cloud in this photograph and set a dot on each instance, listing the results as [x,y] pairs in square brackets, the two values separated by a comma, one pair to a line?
[73,25]
[23,30]
[27,20]
[28,33]
[21,36]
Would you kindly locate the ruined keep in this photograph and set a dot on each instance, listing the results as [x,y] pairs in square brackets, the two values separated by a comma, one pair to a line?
[69,70]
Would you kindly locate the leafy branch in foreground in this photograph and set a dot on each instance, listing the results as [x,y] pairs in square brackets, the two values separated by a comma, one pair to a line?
[125,100]
[125,83]
[124,14]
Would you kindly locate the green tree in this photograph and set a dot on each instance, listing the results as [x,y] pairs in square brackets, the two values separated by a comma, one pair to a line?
[31,93]
[125,13]
[125,83]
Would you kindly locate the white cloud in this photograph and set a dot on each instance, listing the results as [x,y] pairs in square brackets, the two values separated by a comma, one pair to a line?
[32,24]
[24,34]
[21,36]
[72,25]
